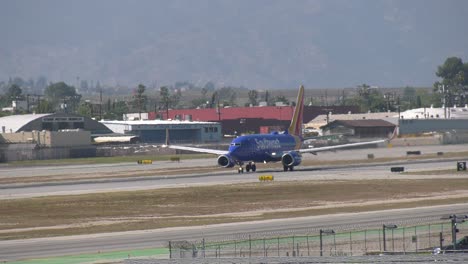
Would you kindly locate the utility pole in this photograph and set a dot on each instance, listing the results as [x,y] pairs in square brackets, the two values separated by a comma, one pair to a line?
[100,104]
[218,110]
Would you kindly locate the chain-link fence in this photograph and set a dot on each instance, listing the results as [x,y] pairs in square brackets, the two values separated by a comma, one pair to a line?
[389,239]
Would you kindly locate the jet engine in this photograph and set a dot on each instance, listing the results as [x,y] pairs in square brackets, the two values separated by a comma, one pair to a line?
[226,161]
[291,158]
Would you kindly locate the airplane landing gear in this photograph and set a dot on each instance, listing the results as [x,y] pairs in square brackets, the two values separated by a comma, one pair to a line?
[285,168]
[240,170]
[251,166]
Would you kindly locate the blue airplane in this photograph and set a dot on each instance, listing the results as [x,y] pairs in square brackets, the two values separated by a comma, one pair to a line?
[282,147]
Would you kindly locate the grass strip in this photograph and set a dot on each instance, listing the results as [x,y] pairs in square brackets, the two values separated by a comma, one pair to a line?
[104,160]
[172,207]
[90,258]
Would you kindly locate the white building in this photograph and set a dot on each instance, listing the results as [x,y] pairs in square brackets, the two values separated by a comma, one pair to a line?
[179,131]
[436,113]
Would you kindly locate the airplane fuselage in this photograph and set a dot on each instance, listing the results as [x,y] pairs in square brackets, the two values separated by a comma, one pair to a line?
[262,147]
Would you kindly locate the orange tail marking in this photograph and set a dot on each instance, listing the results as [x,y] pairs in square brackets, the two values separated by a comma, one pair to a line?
[296,123]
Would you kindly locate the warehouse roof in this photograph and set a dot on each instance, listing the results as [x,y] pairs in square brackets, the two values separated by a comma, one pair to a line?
[14,123]
[154,122]
[52,122]
[361,123]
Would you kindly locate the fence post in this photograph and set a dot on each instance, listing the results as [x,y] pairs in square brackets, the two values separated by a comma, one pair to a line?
[170,250]
[308,248]
[235,248]
[203,243]
[264,248]
[393,242]
[278,248]
[334,242]
[250,247]
[416,236]
[365,241]
[350,244]
[380,245]
[404,243]
[293,251]
[430,244]
[441,240]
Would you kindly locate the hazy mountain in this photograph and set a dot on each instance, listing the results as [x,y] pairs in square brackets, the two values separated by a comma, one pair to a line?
[254,43]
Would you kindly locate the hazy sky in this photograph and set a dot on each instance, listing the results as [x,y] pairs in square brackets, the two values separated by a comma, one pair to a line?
[257,44]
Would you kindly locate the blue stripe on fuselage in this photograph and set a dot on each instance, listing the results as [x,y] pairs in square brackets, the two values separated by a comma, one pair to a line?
[260,147]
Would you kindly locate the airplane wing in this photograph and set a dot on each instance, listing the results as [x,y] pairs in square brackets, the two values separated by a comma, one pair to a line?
[314,150]
[202,150]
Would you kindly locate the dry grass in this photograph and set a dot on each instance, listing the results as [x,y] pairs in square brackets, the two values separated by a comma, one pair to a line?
[120,211]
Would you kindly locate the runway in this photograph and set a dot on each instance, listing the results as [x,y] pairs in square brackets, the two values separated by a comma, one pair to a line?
[345,154]
[58,246]
[334,172]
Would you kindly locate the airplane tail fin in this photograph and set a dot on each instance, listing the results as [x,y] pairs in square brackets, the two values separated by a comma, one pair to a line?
[296,123]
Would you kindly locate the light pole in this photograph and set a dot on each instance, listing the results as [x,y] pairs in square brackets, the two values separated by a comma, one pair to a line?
[391,226]
[455,219]
[327,232]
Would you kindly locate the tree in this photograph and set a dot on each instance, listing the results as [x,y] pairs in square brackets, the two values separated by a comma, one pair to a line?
[214,99]
[62,93]
[139,99]
[368,99]
[227,95]
[175,98]
[41,84]
[14,92]
[85,109]
[253,96]
[199,102]
[453,72]
[44,107]
[209,86]
[454,84]
[409,97]
[119,109]
[204,91]
[165,99]
[282,98]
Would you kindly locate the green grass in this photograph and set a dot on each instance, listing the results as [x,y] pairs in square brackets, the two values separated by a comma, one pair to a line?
[90,258]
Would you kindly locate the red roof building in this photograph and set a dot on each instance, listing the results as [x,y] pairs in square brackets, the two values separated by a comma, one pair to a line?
[249,119]
[230,113]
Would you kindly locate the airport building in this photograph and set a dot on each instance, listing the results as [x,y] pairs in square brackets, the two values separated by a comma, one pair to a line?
[178,131]
[50,122]
[359,128]
[258,119]
[47,136]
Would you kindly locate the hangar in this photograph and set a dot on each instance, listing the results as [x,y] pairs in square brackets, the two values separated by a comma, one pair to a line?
[50,122]
[366,128]
[47,136]
[179,131]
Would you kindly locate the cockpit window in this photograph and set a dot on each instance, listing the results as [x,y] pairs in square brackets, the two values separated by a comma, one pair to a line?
[235,144]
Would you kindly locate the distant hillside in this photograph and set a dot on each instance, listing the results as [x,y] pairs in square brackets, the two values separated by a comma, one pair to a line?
[256,44]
